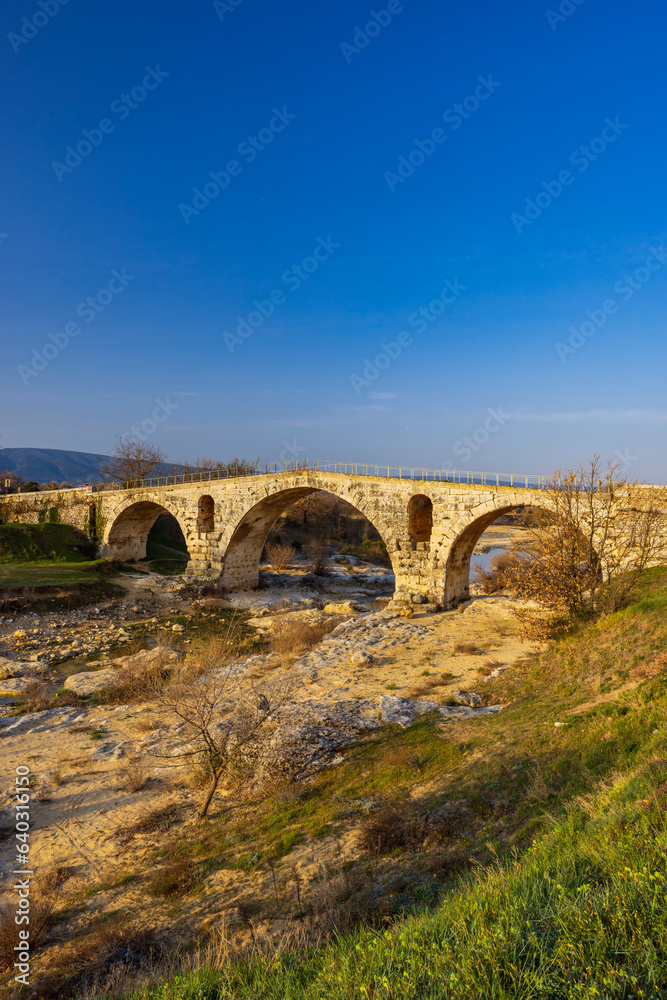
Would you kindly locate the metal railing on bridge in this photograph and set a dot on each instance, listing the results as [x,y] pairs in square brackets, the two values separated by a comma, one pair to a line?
[414,473]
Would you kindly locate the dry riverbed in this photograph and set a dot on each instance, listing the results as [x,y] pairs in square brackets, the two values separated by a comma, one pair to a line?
[92,825]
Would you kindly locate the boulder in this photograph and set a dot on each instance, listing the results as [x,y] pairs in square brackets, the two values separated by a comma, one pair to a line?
[9,668]
[109,751]
[146,657]
[260,623]
[91,681]
[402,711]
[361,659]
[347,608]
[470,698]
[12,688]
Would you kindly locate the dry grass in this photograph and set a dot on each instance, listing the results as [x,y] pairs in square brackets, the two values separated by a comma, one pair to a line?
[292,637]
[469,649]
[140,681]
[154,821]
[112,955]
[428,685]
[487,668]
[135,777]
[176,878]
[58,776]
[38,697]
[280,556]
[42,905]
[147,723]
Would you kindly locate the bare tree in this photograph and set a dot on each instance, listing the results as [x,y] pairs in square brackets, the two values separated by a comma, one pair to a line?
[586,548]
[132,461]
[223,715]
[236,467]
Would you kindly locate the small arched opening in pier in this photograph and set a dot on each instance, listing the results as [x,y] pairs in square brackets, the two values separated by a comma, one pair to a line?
[206,513]
[420,514]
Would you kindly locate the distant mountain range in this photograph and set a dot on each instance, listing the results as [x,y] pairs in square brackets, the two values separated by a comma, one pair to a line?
[46,465]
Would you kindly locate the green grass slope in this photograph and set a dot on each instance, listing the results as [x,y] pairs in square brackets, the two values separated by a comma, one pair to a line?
[29,543]
[565,895]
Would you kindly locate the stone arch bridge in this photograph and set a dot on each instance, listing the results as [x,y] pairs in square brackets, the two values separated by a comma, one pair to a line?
[430,525]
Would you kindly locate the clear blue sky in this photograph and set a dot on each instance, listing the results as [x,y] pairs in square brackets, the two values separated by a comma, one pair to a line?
[332,112]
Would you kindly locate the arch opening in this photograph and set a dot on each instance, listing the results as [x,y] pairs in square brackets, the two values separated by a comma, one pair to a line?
[420,517]
[206,513]
[458,563]
[463,548]
[244,551]
[129,540]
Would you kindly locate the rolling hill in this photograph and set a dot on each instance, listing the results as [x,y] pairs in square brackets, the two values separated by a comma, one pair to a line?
[45,465]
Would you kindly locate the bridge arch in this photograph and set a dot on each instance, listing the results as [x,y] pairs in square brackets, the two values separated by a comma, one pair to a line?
[126,535]
[468,533]
[243,550]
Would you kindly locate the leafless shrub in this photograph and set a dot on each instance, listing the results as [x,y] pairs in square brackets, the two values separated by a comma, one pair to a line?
[317,558]
[38,698]
[237,467]
[224,717]
[587,548]
[135,777]
[142,679]
[153,821]
[280,556]
[404,825]
[41,913]
[502,573]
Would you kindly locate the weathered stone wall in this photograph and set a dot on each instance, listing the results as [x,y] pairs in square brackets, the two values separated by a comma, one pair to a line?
[226,522]
[75,507]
